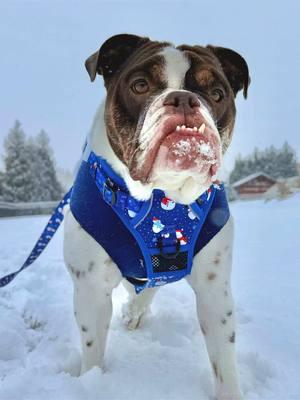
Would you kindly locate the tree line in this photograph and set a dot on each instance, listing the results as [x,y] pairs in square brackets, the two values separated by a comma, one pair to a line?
[29,169]
[278,163]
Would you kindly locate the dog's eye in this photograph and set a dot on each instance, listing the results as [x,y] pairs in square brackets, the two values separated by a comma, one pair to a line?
[217,95]
[140,86]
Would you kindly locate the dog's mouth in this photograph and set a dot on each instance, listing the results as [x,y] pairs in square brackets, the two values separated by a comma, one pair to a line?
[189,148]
[194,146]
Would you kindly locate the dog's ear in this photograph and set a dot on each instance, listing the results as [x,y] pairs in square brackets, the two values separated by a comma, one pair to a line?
[234,67]
[112,54]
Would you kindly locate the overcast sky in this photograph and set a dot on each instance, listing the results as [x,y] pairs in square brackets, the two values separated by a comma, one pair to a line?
[44,44]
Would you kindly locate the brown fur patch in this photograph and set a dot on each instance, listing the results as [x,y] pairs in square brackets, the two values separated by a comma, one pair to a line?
[91,266]
[232,337]
[211,276]
[72,269]
[217,260]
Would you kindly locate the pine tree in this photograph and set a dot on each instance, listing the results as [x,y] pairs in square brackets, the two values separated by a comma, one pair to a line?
[18,184]
[1,185]
[287,162]
[280,163]
[47,186]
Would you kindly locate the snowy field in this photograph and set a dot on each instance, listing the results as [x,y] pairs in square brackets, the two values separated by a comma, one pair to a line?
[165,358]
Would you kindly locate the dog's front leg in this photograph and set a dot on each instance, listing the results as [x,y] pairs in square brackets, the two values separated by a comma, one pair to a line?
[210,280]
[94,276]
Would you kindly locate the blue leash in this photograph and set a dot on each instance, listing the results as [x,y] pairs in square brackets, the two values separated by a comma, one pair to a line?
[47,234]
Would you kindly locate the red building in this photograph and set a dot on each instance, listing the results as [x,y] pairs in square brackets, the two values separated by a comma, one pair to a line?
[253,186]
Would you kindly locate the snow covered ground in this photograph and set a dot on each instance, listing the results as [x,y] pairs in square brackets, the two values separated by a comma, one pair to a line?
[165,358]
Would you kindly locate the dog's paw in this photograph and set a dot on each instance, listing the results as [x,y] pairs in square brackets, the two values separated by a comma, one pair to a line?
[131,321]
[131,317]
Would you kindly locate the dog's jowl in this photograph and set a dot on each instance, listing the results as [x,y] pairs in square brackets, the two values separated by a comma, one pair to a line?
[147,206]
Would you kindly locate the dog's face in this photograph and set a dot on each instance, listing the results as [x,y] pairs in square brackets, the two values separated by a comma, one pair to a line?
[169,111]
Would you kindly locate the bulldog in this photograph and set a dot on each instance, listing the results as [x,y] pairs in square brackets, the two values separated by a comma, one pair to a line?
[165,124]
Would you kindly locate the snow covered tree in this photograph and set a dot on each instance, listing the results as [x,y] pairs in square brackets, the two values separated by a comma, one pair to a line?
[241,169]
[47,186]
[1,185]
[287,162]
[18,184]
[280,163]
[29,168]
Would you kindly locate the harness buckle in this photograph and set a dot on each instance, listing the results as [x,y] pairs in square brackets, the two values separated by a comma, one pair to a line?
[109,192]
[169,256]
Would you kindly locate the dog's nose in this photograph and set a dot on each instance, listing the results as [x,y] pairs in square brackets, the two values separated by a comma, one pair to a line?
[179,99]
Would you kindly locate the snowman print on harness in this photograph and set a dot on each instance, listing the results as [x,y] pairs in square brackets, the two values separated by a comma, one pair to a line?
[158,226]
[167,204]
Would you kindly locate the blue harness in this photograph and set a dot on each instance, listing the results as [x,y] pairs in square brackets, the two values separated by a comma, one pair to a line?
[152,242]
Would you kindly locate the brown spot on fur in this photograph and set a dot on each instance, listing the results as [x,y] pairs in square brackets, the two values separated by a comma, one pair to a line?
[72,269]
[89,344]
[223,321]
[91,266]
[84,328]
[229,313]
[215,368]
[211,276]
[108,262]
[217,260]
[232,338]
[202,329]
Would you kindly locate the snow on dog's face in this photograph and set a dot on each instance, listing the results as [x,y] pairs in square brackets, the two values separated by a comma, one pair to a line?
[169,111]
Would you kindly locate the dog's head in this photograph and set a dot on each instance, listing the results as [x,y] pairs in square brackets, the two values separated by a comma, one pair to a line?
[169,111]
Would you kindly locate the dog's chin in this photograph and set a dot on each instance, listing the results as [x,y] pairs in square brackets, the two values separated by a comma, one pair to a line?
[183,186]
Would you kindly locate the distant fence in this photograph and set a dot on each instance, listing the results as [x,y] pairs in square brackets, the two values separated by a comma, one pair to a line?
[18,209]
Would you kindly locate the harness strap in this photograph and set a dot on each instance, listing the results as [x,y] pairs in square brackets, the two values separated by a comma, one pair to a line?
[47,234]
[111,186]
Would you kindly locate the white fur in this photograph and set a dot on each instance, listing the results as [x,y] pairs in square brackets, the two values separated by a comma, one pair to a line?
[95,275]
[176,66]
[93,307]
[215,309]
